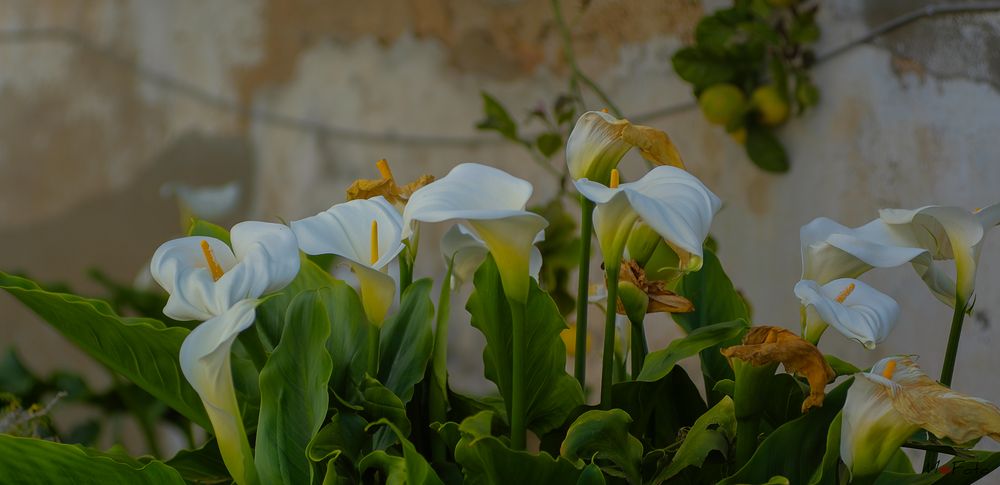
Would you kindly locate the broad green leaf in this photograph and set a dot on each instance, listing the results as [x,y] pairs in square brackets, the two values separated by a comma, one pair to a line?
[27,460]
[604,434]
[827,472]
[344,434]
[795,449]
[701,68]
[294,396]
[348,343]
[411,468]
[840,366]
[407,340]
[497,118]
[713,431]
[550,393]
[485,459]
[654,418]
[591,475]
[271,314]
[658,364]
[379,402]
[143,350]
[202,465]
[765,150]
[715,301]
[548,143]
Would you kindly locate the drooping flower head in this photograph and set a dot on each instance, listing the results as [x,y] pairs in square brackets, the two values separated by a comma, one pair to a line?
[854,308]
[366,232]
[492,204]
[670,200]
[599,141]
[886,405]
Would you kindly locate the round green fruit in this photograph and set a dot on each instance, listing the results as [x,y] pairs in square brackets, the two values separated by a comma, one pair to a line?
[771,105]
[722,103]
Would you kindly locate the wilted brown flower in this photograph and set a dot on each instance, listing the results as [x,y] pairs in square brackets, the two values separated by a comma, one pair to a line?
[661,300]
[765,345]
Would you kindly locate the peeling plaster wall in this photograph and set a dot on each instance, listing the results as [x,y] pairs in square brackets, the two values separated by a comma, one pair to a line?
[85,144]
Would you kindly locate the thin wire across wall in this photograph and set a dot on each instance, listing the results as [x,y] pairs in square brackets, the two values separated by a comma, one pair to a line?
[176,85]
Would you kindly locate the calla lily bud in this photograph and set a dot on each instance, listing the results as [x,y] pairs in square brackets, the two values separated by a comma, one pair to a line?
[599,141]
[633,300]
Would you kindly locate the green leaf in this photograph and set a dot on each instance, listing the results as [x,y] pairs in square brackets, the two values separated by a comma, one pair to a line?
[379,402]
[411,468]
[28,460]
[795,449]
[202,465]
[661,362]
[827,472]
[702,69]
[15,378]
[345,433]
[486,459]
[591,475]
[765,150]
[348,342]
[840,366]
[271,314]
[141,349]
[655,419]
[203,228]
[715,301]
[293,387]
[550,393]
[497,118]
[604,434]
[713,431]
[407,340]
[549,143]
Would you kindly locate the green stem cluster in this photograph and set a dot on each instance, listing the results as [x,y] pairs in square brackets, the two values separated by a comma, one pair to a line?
[639,346]
[374,332]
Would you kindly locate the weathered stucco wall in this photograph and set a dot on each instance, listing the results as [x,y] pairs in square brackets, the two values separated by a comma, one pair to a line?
[86,142]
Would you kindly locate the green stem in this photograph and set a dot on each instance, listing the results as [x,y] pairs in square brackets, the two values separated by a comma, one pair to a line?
[746,440]
[607,374]
[639,347]
[405,269]
[374,332]
[583,290]
[438,399]
[517,407]
[948,368]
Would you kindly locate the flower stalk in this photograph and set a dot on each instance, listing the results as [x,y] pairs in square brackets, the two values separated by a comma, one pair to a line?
[583,289]
[518,405]
[438,398]
[611,269]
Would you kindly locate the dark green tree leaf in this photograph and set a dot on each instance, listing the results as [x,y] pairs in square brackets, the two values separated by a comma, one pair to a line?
[765,150]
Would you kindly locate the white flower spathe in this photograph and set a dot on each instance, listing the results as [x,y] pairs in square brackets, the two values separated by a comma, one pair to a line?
[854,308]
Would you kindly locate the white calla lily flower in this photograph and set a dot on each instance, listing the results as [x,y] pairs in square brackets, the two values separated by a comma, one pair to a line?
[854,308]
[670,200]
[599,141]
[367,233]
[205,278]
[492,204]
[205,362]
[467,251]
[831,250]
[887,405]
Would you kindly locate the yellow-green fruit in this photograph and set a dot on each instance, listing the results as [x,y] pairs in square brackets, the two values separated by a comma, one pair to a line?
[740,135]
[771,105]
[722,103]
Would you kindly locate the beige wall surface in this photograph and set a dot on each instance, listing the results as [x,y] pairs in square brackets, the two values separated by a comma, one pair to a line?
[104,101]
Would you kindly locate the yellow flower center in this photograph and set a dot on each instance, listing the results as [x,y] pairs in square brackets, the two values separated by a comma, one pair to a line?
[374,239]
[383,168]
[615,180]
[890,369]
[846,293]
[213,265]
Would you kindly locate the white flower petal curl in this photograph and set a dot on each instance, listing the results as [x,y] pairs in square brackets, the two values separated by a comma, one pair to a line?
[345,230]
[866,314]
[467,251]
[205,360]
